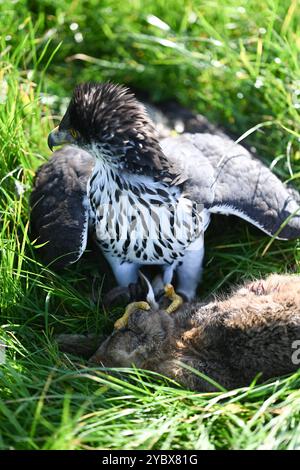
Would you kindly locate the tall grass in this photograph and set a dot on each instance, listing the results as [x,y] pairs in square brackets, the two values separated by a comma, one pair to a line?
[237,63]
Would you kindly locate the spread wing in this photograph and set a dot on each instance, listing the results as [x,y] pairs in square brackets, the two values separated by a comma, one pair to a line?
[227,179]
[212,169]
[59,206]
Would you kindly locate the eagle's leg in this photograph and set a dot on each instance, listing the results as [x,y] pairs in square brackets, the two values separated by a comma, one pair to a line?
[124,272]
[176,300]
[189,270]
[122,322]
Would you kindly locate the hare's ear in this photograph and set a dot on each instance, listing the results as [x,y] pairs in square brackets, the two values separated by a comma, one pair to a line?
[146,287]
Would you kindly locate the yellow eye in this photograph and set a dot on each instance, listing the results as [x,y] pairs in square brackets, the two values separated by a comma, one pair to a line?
[74,133]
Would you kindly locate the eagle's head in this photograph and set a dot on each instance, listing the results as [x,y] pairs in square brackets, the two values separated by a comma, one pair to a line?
[109,122]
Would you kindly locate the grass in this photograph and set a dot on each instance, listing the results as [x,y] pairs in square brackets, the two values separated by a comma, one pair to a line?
[237,63]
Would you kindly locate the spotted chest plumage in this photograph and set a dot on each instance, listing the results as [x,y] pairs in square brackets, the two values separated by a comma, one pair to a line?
[139,219]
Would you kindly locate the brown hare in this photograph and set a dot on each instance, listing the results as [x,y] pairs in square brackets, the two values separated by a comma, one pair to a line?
[254,331]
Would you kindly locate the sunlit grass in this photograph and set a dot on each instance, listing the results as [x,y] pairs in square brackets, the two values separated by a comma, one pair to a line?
[237,63]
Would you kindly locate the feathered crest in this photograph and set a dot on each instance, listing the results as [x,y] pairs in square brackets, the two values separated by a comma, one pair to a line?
[107,112]
[111,115]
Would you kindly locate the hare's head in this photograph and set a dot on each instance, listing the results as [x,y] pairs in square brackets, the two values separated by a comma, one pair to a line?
[140,341]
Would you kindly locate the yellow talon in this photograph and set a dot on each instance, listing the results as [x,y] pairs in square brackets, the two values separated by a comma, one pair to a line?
[177,301]
[123,321]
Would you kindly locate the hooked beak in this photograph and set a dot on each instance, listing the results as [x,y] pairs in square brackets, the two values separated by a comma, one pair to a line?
[59,137]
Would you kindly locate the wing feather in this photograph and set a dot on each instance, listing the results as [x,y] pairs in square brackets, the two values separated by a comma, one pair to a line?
[60,208]
[227,179]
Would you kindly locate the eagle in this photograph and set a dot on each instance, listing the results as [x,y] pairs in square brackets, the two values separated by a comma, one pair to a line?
[145,200]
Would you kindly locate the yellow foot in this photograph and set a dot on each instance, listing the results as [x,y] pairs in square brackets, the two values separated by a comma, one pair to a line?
[175,298]
[123,321]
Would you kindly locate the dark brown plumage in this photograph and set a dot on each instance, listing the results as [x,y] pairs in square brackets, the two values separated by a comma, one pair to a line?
[231,340]
[58,200]
[110,115]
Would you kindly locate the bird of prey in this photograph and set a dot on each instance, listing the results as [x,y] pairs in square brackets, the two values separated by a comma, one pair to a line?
[148,201]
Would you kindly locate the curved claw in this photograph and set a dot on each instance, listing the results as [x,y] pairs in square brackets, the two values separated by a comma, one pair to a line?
[176,299]
[123,321]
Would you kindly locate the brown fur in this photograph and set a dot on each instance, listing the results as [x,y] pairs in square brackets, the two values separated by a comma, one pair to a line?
[231,340]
